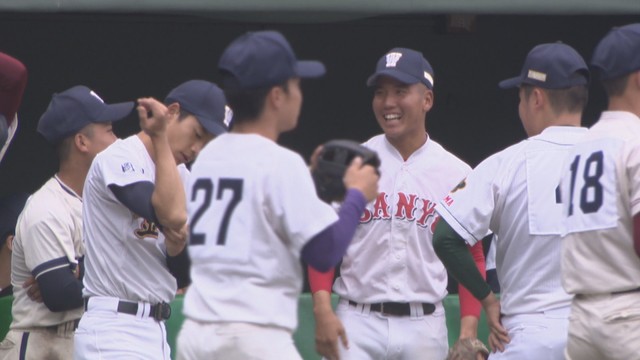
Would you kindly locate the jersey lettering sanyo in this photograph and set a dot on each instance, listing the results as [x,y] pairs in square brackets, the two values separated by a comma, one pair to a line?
[602,186]
[391,257]
[48,237]
[515,194]
[252,206]
[126,254]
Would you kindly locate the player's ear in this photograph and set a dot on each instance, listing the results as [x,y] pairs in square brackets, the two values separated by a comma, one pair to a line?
[539,97]
[174,109]
[10,242]
[81,142]
[428,100]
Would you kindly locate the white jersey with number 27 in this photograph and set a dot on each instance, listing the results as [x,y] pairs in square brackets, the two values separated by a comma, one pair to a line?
[252,207]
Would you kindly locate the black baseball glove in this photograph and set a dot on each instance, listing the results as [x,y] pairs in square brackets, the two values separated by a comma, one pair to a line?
[333,161]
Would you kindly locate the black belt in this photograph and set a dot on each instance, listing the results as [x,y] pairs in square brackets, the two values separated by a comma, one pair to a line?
[397,308]
[70,325]
[159,311]
[625,291]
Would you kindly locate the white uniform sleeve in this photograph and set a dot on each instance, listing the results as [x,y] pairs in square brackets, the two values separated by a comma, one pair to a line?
[633,174]
[300,212]
[118,168]
[468,208]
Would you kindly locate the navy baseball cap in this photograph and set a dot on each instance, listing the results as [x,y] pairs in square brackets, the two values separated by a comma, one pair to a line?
[618,53]
[551,66]
[10,208]
[205,100]
[405,65]
[263,59]
[75,108]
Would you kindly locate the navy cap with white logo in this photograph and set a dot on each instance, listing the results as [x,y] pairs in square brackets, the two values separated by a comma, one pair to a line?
[75,108]
[618,53]
[551,66]
[262,59]
[405,65]
[205,100]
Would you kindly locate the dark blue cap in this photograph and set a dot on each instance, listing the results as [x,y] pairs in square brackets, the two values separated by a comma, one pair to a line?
[10,208]
[75,108]
[205,100]
[618,53]
[405,65]
[263,59]
[551,66]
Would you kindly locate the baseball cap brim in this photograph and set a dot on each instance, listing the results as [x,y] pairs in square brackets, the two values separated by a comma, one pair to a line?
[212,126]
[395,74]
[310,69]
[115,112]
[510,83]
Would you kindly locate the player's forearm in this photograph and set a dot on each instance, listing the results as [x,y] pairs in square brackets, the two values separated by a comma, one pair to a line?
[320,280]
[322,303]
[469,305]
[326,249]
[468,327]
[168,198]
[454,254]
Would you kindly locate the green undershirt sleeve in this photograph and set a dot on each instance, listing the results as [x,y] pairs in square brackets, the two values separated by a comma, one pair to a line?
[456,257]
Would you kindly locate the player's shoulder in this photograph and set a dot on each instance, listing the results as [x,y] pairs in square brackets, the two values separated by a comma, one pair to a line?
[45,205]
[436,151]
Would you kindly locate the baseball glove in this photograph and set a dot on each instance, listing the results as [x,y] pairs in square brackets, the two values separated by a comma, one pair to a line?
[468,349]
[333,161]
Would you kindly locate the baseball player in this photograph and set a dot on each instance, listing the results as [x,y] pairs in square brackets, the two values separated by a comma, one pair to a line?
[514,193]
[13,80]
[255,213]
[134,215]
[10,208]
[48,242]
[391,283]
[601,199]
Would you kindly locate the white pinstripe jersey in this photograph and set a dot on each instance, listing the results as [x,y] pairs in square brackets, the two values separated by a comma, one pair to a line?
[513,193]
[126,254]
[48,236]
[253,207]
[391,257]
[602,187]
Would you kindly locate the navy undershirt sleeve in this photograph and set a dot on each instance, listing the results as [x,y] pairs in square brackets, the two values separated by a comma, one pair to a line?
[137,198]
[326,249]
[60,289]
[179,267]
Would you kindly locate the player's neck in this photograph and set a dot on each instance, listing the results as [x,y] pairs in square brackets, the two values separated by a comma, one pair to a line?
[408,145]
[624,103]
[73,174]
[261,128]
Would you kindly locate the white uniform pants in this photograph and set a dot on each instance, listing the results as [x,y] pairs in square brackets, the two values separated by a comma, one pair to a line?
[373,335]
[39,343]
[535,336]
[603,327]
[234,341]
[104,333]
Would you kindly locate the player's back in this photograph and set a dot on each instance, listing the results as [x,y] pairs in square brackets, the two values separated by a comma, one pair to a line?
[252,207]
[602,178]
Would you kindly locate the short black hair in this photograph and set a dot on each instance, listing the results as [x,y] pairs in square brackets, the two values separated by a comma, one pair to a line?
[246,104]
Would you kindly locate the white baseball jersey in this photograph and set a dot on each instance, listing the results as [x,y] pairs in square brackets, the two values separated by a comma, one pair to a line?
[391,257]
[126,254]
[515,194]
[252,206]
[601,185]
[48,237]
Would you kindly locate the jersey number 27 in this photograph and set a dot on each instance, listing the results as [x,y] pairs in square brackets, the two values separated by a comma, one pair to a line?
[205,185]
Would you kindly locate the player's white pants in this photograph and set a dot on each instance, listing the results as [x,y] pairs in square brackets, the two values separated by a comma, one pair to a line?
[234,341]
[535,336]
[104,333]
[604,327]
[373,335]
[38,343]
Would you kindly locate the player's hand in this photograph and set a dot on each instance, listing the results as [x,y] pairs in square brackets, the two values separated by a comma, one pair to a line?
[498,335]
[33,289]
[153,115]
[329,330]
[314,158]
[175,240]
[363,178]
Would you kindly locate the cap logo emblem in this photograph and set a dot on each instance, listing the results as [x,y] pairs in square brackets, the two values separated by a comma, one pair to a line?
[536,75]
[428,77]
[392,59]
[228,115]
[96,96]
